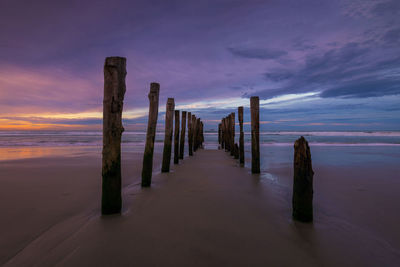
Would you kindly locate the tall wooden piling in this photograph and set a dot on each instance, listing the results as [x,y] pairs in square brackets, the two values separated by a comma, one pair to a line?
[193,132]
[114,92]
[202,135]
[198,133]
[169,117]
[232,117]
[147,169]
[227,133]
[229,130]
[190,129]
[302,182]
[219,136]
[222,134]
[236,151]
[176,137]
[241,137]
[255,134]
[183,129]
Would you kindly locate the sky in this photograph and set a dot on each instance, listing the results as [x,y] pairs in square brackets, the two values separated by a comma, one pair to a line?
[316,65]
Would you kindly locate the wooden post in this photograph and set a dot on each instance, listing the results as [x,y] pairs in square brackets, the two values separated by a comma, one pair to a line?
[241,137]
[151,134]
[219,135]
[193,135]
[229,125]
[169,117]
[202,135]
[198,133]
[190,129]
[183,129]
[255,134]
[222,134]
[302,182]
[227,134]
[232,133]
[114,92]
[236,151]
[176,139]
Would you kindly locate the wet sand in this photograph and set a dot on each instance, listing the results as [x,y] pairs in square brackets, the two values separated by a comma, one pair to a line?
[207,212]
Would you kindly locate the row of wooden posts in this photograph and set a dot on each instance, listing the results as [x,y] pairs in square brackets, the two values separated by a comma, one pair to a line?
[226,135]
[195,134]
[114,92]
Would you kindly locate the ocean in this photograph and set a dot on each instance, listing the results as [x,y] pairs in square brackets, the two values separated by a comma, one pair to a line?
[332,148]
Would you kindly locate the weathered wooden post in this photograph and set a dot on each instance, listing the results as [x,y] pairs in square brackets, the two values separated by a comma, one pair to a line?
[202,135]
[193,135]
[241,137]
[222,134]
[169,117]
[227,134]
[236,151]
[190,129]
[229,126]
[114,92]
[232,133]
[151,134]
[183,129]
[198,133]
[195,131]
[302,182]
[176,139]
[219,135]
[255,134]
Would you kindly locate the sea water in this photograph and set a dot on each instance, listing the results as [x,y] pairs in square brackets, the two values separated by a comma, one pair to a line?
[275,147]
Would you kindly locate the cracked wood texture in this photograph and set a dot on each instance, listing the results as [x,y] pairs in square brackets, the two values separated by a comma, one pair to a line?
[255,134]
[302,182]
[114,92]
[176,137]
[183,130]
[169,119]
[241,137]
[190,129]
[147,169]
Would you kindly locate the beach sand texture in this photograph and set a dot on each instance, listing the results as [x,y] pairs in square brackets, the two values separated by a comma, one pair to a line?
[208,211]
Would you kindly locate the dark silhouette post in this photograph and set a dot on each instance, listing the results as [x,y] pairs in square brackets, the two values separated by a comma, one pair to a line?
[190,130]
[236,151]
[114,92]
[232,133]
[151,135]
[227,134]
[198,133]
[183,129]
[229,129]
[255,134]
[219,135]
[241,137]
[202,135]
[302,182]
[176,138]
[193,132]
[169,117]
[222,134]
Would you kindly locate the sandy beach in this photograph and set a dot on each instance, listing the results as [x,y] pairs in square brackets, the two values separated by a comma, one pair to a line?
[207,212]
